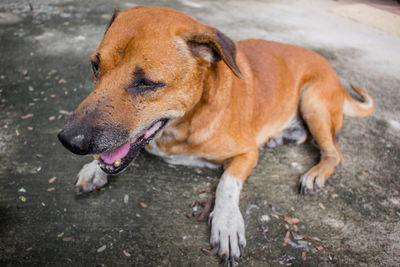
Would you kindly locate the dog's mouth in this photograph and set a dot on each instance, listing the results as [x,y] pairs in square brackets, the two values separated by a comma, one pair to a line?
[114,161]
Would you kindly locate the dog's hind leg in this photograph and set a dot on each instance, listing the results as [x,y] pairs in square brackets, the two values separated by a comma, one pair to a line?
[321,108]
[90,178]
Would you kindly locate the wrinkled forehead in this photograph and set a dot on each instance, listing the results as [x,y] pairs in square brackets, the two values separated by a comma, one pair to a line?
[147,34]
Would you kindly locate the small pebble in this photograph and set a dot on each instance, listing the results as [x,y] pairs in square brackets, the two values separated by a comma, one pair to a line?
[265,218]
[22,190]
[296,165]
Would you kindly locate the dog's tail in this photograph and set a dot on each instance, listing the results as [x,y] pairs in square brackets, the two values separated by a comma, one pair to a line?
[354,108]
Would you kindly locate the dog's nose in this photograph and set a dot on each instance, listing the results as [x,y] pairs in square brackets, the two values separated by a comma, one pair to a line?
[76,138]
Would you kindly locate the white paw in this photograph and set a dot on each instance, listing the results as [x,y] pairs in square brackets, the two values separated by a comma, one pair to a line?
[90,178]
[227,225]
[227,232]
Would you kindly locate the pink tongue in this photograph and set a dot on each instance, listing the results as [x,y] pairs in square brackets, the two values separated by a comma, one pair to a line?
[119,153]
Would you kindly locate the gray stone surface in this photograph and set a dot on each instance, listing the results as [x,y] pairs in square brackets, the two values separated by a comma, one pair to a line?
[44,71]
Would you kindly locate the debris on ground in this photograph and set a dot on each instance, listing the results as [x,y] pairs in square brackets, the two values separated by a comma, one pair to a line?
[265,218]
[126,253]
[52,179]
[206,203]
[22,190]
[101,249]
[24,117]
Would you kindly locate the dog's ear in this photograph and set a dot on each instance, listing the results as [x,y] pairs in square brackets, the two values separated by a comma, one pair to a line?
[113,17]
[212,45]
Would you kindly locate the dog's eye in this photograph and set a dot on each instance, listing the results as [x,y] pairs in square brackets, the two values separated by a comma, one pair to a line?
[143,84]
[95,69]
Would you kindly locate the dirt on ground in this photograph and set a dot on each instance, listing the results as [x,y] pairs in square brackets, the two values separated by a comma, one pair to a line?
[139,218]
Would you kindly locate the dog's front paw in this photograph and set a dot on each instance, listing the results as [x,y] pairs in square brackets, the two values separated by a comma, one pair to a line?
[227,234]
[90,178]
[312,182]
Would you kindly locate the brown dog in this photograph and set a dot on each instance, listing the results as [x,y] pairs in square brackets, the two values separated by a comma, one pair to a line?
[206,101]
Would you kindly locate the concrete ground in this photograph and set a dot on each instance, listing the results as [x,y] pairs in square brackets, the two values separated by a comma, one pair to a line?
[140,217]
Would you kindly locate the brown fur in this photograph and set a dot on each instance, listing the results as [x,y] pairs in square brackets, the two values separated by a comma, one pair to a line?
[218,115]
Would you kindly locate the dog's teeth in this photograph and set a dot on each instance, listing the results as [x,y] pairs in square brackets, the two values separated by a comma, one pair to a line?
[117,163]
[96,157]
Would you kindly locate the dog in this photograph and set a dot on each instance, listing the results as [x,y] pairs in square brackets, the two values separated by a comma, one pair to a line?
[188,93]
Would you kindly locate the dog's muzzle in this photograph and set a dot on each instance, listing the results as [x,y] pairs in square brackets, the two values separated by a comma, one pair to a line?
[113,148]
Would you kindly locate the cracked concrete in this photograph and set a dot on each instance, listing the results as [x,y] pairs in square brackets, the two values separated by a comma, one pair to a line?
[140,217]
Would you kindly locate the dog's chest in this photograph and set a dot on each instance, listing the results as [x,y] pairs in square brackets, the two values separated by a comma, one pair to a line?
[180,159]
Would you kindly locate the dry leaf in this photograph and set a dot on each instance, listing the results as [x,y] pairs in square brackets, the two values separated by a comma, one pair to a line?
[101,249]
[27,116]
[287,239]
[143,205]
[319,248]
[64,112]
[126,253]
[67,239]
[290,220]
[321,205]
[304,255]
[50,189]
[52,179]
[60,235]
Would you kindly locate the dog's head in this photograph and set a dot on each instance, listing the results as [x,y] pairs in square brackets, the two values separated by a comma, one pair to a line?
[148,70]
